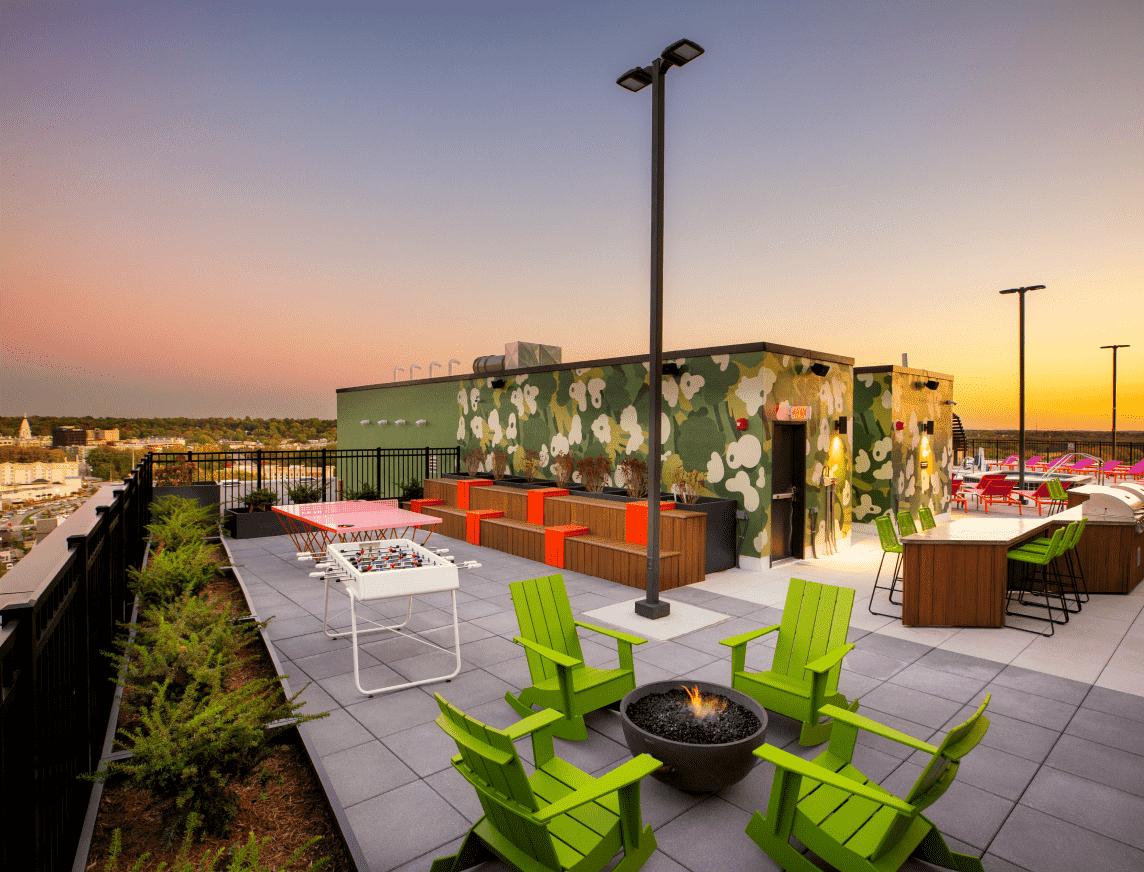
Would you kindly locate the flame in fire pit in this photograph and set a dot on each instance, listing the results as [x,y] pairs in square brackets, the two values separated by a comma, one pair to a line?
[702,706]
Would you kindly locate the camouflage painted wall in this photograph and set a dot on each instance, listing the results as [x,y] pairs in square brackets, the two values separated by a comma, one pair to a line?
[901,469]
[603,410]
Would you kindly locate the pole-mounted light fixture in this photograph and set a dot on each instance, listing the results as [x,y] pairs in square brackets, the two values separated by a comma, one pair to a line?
[1021,435]
[396,370]
[675,55]
[431,365]
[453,360]
[1114,348]
[412,367]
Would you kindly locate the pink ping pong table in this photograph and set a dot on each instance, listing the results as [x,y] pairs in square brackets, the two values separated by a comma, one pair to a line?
[313,526]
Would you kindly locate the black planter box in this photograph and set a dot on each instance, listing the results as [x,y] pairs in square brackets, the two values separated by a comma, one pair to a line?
[721,530]
[245,524]
[205,493]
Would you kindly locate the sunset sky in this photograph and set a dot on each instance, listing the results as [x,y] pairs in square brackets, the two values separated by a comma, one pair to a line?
[236,208]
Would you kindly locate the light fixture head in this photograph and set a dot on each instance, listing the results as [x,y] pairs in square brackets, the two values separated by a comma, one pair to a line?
[382,422]
[635,79]
[932,384]
[364,421]
[399,422]
[419,422]
[672,368]
[929,428]
[1022,290]
[498,382]
[682,52]
[840,425]
[820,369]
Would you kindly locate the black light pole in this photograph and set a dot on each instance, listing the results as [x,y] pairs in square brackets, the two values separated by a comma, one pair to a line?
[1021,436]
[1114,347]
[675,55]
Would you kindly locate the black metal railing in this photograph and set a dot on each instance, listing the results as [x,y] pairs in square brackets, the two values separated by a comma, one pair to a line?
[60,609]
[999,449]
[338,473]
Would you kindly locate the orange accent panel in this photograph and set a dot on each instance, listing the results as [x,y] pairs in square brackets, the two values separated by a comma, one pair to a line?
[463,486]
[635,521]
[415,505]
[536,498]
[473,523]
[554,542]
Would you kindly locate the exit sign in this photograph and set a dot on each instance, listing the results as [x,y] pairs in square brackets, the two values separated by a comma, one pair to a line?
[783,412]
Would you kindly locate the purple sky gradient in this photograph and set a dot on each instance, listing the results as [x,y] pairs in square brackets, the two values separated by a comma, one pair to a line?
[214,208]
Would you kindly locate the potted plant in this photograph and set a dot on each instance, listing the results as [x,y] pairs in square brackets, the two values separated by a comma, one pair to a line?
[594,472]
[255,519]
[305,493]
[563,465]
[411,490]
[634,472]
[178,480]
[500,462]
[366,492]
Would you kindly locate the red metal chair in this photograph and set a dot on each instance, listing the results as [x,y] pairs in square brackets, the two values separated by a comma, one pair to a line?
[1082,465]
[998,491]
[1040,496]
[1009,462]
[1108,469]
[977,490]
[1134,471]
[957,496]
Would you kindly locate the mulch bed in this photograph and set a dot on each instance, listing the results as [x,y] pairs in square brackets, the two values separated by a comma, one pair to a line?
[286,802]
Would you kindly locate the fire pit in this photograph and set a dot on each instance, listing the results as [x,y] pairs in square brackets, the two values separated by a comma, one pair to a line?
[704,734]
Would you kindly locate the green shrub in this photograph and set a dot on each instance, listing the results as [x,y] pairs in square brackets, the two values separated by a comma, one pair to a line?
[412,490]
[305,493]
[260,500]
[181,642]
[242,856]
[171,573]
[176,521]
[365,492]
[188,751]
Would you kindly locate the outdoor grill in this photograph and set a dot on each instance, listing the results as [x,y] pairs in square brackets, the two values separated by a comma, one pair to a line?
[1123,504]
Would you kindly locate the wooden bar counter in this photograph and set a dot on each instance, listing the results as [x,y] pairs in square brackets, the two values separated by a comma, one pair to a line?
[955,574]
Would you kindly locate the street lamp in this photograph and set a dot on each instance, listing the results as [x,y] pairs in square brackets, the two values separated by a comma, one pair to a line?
[1021,435]
[412,367]
[1114,347]
[675,55]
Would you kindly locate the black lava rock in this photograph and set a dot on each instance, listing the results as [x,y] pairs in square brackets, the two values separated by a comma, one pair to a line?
[670,716]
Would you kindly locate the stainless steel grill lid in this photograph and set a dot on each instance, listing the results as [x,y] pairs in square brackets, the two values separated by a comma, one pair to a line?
[1112,503]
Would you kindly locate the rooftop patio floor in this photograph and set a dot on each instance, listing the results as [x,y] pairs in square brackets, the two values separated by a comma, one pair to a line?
[1057,783]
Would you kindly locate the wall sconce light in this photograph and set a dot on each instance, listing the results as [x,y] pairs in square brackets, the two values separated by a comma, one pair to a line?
[398,422]
[498,382]
[672,368]
[929,428]
[949,403]
[382,422]
[419,422]
[840,425]
[932,384]
[820,369]
[363,423]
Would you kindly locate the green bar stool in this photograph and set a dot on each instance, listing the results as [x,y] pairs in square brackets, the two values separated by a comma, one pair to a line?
[890,545]
[906,526]
[1022,579]
[1057,492]
[925,515]
[1074,569]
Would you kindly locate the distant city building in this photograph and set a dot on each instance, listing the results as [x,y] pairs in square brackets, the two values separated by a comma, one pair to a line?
[44,527]
[64,437]
[102,436]
[151,443]
[25,430]
[30,480]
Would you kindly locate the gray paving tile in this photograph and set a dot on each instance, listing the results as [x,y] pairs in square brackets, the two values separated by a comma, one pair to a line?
[1041,710]
[961,664]
[1007,734]
[1000,773]
[891,646]
[365,770]
[1054,687]
[301,626]
[332,663]
[935,682]
[298,647]
[600,753]
[913,705]
[902,725]
[965,812]
[344,691]
[872,664]
[469,632]
[1106,729]
[425,748]
[717,672]
[660,803]
[452,787]
[710,836]
[854,686]
[1114,702]
[490,650]
[336,732]
[390,713]
[1096,807]
[993,863]
[503,624]
[414,821]
[472,688]
[514,673]
[692,595]
[672,656]
[729,605]
[1100,763]
[708,639]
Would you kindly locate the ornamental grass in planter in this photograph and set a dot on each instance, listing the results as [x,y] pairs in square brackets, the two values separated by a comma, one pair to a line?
[215,769]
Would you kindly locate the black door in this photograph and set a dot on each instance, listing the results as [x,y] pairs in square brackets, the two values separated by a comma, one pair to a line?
[788,490]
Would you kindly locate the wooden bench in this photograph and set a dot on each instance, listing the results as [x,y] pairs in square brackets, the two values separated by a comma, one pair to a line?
[514,537]
[622,562]
[452,520]
[512,501]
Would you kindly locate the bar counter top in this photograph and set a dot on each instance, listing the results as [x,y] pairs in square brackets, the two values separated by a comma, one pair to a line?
[989,531]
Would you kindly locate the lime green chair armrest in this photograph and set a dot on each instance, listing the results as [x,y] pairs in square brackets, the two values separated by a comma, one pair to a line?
[530,725]
[856,720]
[620,777]
[744,638]
[785,760]
[615,634]
[830,659]
[544,651]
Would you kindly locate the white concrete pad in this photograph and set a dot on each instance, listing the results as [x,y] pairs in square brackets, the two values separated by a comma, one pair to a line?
[684,618]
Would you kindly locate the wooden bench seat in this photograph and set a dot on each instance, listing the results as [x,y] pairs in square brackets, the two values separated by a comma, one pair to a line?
[622,562]
[452,520]
[514,537]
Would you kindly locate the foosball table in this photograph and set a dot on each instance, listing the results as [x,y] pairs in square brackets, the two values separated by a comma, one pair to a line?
[386,569]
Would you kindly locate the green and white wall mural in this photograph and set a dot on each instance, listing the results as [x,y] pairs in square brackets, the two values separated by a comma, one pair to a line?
[602,409]
[907,468]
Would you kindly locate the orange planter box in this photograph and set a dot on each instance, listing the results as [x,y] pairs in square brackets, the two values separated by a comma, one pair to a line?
[473,523]
[463,486]
[554,542]
[635,521]
[536,500]
[415,505]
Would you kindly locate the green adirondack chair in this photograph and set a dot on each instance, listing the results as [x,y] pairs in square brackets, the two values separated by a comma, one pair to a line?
[808,657]
[560,679]
[847,820]
[558,818]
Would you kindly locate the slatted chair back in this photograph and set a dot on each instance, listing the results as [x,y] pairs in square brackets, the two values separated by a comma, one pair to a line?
[925,515]
[488,760]
[906,526]
[815,620]
[938,774]
[887,535]
[544,616]
[1078,533]
[1057,490]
